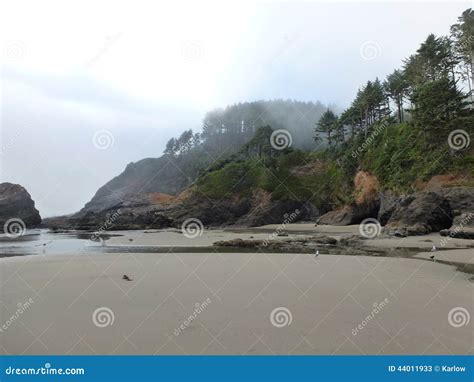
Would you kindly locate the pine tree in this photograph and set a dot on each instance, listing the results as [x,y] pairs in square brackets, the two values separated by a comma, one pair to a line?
[462,34]
[396,87]
[326,125]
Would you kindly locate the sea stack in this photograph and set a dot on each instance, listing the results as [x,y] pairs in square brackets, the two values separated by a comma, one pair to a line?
[16,203]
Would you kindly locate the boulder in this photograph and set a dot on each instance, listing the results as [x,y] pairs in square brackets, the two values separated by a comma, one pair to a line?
[389,202]
[462,228]
[420,214]
[460,199]
[16,203]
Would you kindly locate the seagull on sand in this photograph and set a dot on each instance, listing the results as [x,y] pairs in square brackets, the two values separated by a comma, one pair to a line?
[125,277]
[316,253]
[44,244]
[434,249]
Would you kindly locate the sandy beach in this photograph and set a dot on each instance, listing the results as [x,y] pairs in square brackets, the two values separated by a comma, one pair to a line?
[222,303]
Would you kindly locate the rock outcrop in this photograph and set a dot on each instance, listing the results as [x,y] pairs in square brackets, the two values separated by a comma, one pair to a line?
[140,179]
[148,212]
[389,202]
[420,214]
[462,228]
[366,204]
[16,203]
[352,214]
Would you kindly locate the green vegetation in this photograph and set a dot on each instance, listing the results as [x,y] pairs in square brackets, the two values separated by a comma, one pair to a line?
[396,129]
[287,174]
[399,129]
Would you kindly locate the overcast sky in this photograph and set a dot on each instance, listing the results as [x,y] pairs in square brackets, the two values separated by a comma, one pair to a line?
[89,86]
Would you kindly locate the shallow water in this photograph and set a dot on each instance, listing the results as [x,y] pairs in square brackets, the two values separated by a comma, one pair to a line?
[44,242]
[40,242]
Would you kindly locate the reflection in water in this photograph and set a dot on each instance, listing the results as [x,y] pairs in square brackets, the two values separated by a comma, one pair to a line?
[45,242]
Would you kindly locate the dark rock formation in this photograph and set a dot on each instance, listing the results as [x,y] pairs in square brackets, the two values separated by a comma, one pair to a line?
[389,202]
[462,228]
[278,212]
[461,199]
[420,214]
[325,244]
[139,179]
[16,203]
[352,214]
[366,203]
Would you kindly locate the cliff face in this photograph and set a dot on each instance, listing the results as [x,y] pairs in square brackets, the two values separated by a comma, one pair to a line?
[16,203]
[146,176]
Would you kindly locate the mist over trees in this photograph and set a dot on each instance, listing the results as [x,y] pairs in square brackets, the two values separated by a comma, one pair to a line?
[230,128]
[397,129]
[432,90]
[422,101]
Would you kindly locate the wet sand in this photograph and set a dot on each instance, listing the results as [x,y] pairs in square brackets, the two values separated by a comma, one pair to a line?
[327,298]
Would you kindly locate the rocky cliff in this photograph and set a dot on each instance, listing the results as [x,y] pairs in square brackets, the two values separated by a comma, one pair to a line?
[16,203]
[150,175]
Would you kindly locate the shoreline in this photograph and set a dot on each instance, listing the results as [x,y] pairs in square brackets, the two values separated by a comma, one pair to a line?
[298,238]
[327,297]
